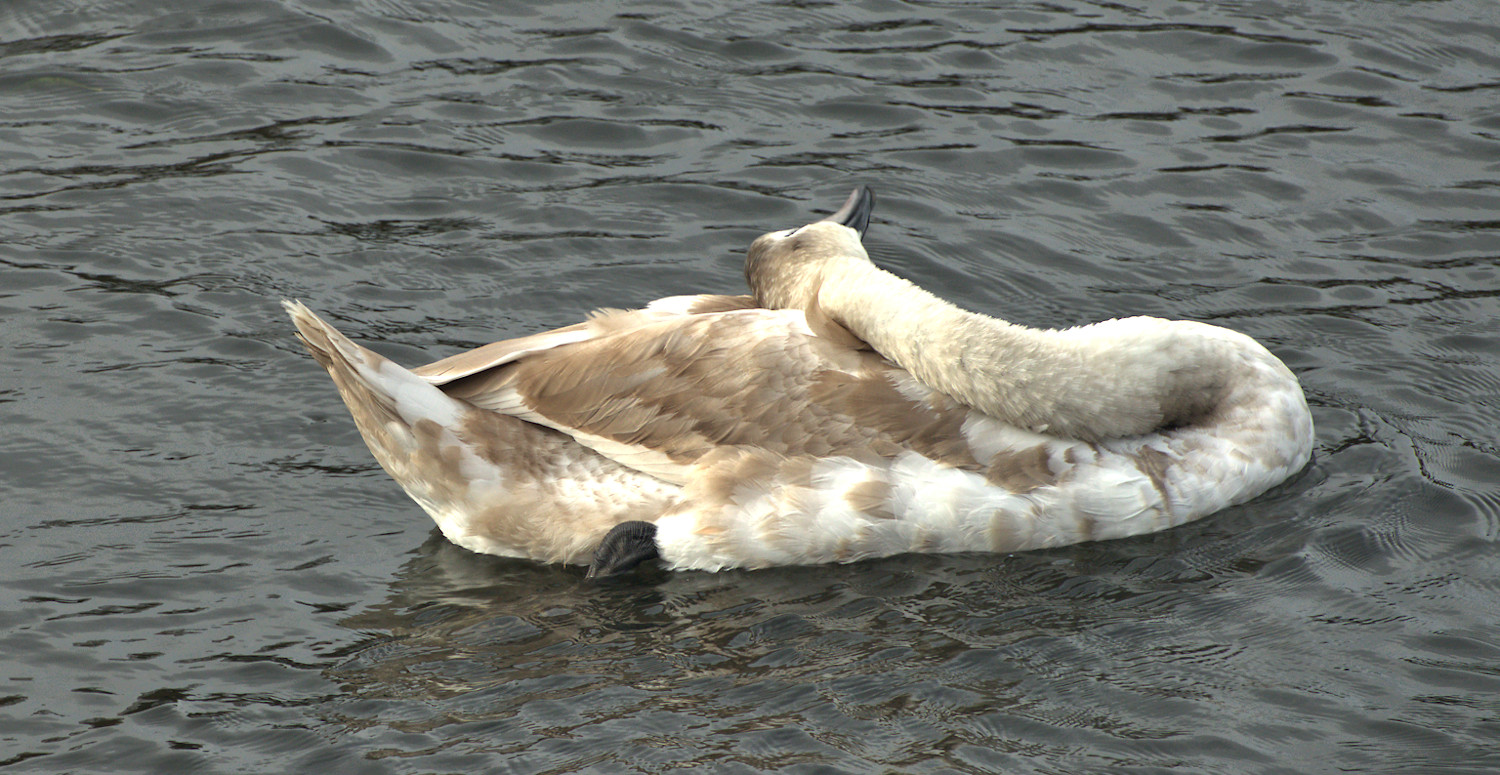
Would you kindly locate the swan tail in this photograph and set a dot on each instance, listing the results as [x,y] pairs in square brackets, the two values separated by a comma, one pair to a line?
[494,483]
[374,388]
[314,334]
[401,417]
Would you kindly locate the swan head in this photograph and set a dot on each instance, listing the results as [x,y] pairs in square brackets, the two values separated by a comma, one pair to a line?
[786,268]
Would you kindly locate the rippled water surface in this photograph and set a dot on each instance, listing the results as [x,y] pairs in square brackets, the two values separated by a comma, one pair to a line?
[202,568]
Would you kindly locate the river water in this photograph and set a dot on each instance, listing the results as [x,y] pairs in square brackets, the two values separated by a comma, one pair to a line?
[203,570]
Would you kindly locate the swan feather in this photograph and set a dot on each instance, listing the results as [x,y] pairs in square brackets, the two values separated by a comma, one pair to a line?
[836,414]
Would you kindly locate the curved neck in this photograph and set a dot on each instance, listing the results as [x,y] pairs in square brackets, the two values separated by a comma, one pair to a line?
[1114,379]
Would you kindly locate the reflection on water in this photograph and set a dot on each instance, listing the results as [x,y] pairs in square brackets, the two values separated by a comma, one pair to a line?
[964,660]
[202,569]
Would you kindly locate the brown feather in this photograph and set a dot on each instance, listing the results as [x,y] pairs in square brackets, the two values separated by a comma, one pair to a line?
[686,385]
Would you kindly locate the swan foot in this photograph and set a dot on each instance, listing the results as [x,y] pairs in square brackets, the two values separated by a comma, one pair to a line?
[625,546]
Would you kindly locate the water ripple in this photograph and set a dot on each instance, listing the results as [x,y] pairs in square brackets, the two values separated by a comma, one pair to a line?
[208,572]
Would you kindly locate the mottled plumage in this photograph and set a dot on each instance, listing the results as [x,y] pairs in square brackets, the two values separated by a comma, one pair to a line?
[758,431]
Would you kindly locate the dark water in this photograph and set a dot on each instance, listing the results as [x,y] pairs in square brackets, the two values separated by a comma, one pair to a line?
[202,569]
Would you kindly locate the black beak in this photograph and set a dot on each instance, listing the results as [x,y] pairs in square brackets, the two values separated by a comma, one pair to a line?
[856,211]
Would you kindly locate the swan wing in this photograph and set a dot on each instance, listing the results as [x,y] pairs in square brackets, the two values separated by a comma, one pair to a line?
[657,392]
[500,353]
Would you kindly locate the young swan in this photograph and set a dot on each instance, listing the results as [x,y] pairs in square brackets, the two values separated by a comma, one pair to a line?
[713,432]
[1115,379]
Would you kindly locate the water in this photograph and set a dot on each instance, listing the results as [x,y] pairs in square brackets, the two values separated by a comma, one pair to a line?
[202,569]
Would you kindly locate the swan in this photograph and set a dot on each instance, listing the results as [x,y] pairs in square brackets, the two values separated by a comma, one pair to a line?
[837,413]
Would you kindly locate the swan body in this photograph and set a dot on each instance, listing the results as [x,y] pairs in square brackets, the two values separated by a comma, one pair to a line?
[839,413]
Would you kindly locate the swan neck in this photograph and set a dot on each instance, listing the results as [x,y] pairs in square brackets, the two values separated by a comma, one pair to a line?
[1115,379]
[913,327]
